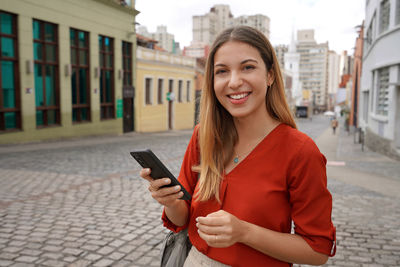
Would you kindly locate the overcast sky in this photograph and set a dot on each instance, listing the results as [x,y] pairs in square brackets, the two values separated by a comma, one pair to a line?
[333,20]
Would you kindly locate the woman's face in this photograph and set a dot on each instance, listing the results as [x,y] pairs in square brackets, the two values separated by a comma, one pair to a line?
[240,79]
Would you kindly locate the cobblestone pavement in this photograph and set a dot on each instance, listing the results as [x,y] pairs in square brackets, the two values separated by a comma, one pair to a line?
[81,203]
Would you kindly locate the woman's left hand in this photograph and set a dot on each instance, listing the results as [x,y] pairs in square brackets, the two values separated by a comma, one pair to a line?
[221,229]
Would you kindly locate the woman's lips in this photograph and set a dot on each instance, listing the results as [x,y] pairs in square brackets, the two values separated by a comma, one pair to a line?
[239,98]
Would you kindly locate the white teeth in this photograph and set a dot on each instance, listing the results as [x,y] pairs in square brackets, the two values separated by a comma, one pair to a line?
[240,96]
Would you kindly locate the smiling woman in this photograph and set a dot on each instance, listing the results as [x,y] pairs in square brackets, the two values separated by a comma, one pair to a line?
[250,171]
[240,82]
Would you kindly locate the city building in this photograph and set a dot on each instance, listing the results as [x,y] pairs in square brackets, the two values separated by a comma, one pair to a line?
[292,67]
[165,97]
[280,51]
[313,68]
[206,27]
[196,50]
[259,22]
[164,39]
[345,64]
[356,76]
[379,98]
[67,68]
[333,77]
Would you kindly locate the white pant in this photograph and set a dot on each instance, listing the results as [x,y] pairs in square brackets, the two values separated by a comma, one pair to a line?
[198,259]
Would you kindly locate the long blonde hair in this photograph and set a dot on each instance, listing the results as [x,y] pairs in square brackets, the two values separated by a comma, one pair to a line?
[217,132]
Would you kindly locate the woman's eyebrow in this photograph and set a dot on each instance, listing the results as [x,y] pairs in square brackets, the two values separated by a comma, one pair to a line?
[242,62]
[219,65]
[249,60]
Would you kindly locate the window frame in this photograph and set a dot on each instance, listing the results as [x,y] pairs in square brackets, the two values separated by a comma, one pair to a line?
[15,61]
[148,91]
[188,91]
[180,90]
[382,92]
[78,66]
[384,24]
[397,12]
[160,91]
[107,109]
[127,79]
[43,64]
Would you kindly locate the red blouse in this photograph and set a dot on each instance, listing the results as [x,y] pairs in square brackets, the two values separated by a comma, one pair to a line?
[282,179]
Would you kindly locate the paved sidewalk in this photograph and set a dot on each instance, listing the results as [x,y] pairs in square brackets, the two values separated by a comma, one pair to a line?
[366,204]
[367,169]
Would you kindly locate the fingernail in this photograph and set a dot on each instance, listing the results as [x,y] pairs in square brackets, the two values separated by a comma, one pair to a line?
[177,187]
[197,219]
[166,181]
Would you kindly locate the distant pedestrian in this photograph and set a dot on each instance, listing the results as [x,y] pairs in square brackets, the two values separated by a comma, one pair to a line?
[249,169]
[334,124]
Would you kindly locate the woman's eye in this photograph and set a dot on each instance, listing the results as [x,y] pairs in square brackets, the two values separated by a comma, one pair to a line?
[249,67]
[220,71]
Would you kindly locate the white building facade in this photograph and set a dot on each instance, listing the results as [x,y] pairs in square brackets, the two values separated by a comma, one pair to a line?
[292,66]
[379,109]
[333,77]
[313,67]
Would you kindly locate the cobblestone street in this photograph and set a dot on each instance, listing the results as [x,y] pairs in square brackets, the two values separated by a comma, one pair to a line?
[81,202]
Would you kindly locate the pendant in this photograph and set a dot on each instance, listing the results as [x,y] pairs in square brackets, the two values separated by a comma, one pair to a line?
[236,159]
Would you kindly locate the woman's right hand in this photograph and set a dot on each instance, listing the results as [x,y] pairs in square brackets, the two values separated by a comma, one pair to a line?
[166,196]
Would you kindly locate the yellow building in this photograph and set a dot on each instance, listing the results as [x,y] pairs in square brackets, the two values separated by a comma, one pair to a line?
[165,97]
[66,68]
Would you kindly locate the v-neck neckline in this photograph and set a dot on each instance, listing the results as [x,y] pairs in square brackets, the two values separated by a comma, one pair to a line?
[252,151]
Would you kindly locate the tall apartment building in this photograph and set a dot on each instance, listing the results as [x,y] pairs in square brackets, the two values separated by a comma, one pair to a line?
[333,77]
[207,27]
[259,21]
[379,98]
[165,39]
[292,66]
[313,67]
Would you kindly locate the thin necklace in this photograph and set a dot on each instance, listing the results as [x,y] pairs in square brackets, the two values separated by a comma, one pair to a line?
[236,159]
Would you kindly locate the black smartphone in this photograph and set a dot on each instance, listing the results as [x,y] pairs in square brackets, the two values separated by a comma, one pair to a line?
[147,159]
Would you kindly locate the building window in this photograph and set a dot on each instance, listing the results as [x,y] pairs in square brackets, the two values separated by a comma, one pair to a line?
[160,91]
[180,91]
[383,92]
[148,89]
[188,96]
[127,63]
[10,113]
[384,16]
[397,12]
[47,92]
[106,47]
[80,81]
[365,105]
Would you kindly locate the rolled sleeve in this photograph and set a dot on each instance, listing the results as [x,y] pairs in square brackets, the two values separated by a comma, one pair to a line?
[311,202]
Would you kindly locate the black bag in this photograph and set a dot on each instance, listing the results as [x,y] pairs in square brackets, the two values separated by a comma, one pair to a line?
[176,247]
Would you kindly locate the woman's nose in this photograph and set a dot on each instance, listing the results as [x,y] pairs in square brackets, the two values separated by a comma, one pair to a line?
[235,80]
